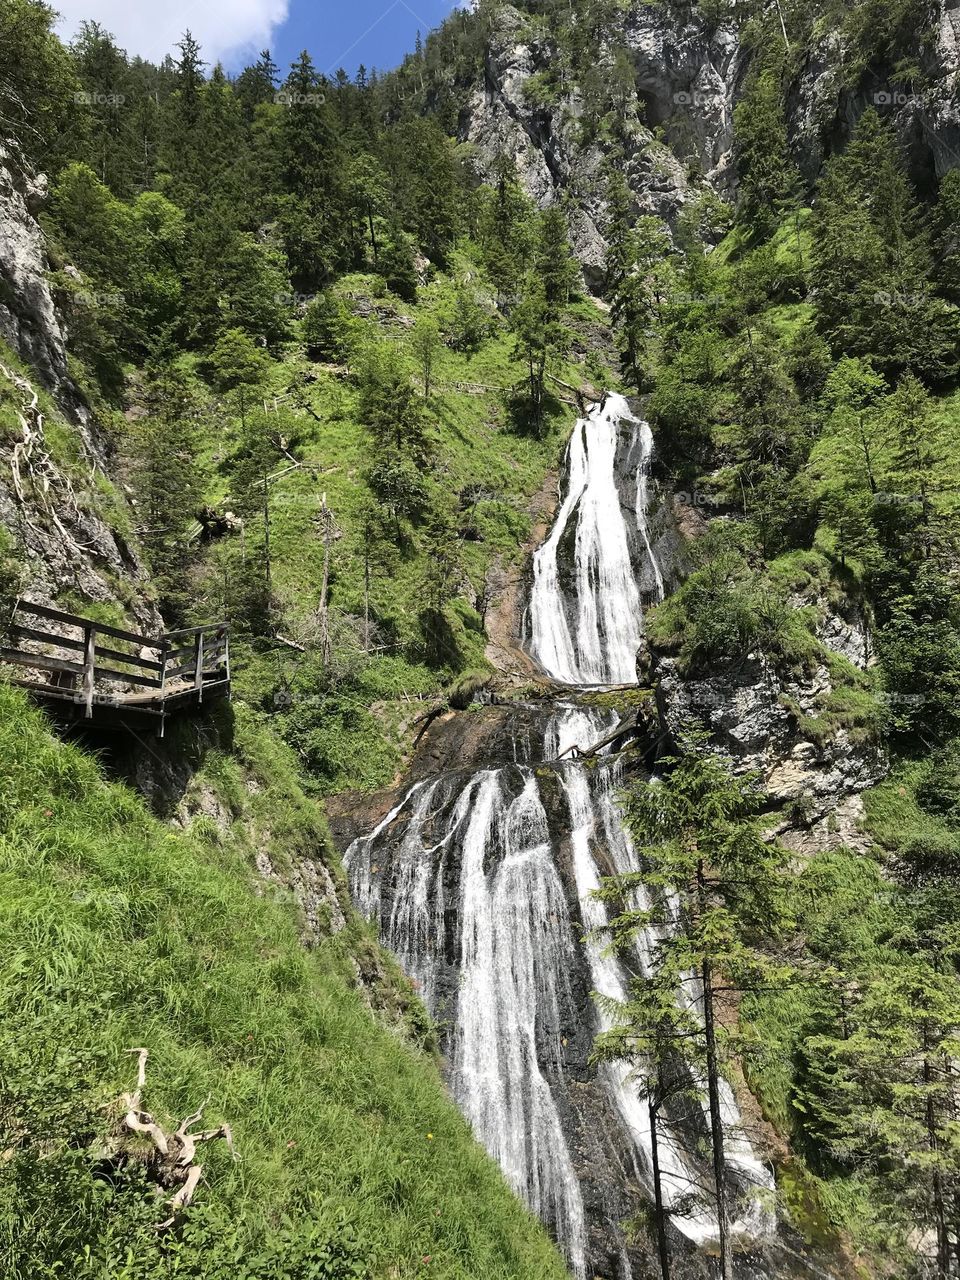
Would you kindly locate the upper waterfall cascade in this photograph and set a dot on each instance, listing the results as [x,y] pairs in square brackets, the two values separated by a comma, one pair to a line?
[585,627]
[482,881]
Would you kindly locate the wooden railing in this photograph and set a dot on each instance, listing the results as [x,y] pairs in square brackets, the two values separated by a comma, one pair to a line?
[87,666]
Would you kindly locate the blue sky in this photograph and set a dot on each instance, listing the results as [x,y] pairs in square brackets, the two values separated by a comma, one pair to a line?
[336,32]
[376,33]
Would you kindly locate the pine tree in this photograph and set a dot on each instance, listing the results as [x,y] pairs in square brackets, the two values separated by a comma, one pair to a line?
[872,266]
[879,1090]
[310,207]
[325,328]
[637,269]
[397,263]
[426,344]
[257,84]
[103,71]
[555,263]
[394,417]
[768,179]
[238,364]
[538,339]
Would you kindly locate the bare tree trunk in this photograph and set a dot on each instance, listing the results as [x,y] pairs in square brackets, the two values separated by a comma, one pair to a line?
[943,1237]
[868,461]
[327,515]
[267,567]
[713,1089]
[366,590]
[653,1107]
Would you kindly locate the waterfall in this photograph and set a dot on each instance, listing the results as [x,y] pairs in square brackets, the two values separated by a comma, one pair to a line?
[588,633]
[482,881]
[515,946]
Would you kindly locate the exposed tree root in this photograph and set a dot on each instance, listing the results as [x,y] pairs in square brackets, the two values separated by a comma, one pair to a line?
[173,1165]
[31,458]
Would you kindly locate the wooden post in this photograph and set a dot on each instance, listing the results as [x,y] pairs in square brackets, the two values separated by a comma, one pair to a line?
[198,674]
[226,651]
[89,658]
[161,692]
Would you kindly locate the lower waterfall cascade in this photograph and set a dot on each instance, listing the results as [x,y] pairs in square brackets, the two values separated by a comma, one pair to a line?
[481,881]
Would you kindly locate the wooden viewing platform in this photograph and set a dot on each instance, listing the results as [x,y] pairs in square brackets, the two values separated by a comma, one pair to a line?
[146,676]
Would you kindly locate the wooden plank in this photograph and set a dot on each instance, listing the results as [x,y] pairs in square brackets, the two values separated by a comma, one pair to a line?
[57,692]
[41,661]
[71,619]
[45,637]
[65,642]
[181,673]
[128,677]
[192,631]
[189,650]
[117,656]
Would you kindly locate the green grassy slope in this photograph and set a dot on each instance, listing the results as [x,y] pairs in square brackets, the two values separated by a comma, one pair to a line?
[346,721]
[119,932]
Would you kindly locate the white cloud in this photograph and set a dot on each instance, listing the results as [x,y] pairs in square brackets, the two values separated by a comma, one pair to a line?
[151,28]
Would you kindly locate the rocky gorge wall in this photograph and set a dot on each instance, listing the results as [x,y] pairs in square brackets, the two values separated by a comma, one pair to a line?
[675,135]
[73,528]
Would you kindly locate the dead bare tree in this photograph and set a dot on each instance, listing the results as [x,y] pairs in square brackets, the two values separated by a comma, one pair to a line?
[174,1165]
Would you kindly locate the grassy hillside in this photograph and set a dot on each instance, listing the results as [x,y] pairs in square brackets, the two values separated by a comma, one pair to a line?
[119,932]
[405,609]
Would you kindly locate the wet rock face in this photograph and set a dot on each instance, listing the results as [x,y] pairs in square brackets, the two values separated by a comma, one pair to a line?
[611,553]
[479,880]
[473,884]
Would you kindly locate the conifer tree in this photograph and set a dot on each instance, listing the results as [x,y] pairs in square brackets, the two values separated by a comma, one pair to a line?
[555,263]
[768,179]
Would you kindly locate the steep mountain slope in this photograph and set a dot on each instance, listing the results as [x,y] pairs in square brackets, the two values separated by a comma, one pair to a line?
[330,342]
[650,91]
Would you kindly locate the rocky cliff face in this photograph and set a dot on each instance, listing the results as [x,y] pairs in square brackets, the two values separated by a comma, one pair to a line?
[677,128]
[28,320]
[72,525]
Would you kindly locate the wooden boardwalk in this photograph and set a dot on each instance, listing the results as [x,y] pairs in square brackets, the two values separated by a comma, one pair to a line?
[94,671]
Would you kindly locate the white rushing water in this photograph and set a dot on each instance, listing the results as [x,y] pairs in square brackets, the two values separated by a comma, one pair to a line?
[516,948]
[595,817]
[586,631]
[463,878]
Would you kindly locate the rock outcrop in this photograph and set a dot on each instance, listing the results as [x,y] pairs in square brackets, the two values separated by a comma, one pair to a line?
[28,319]
[788,728]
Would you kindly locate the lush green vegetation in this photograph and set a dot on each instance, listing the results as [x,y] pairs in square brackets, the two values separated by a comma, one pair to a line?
[118,932]
[322,351]
[802,377]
